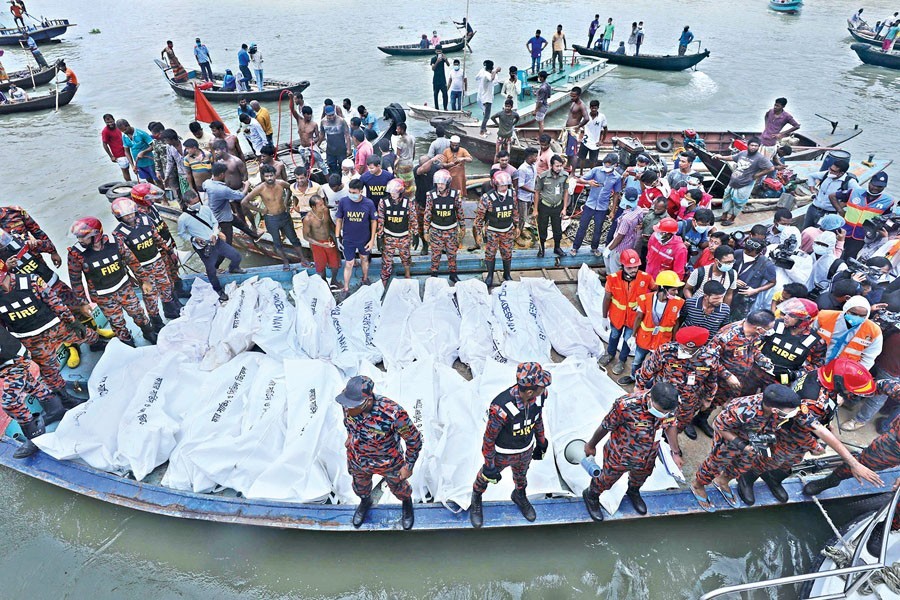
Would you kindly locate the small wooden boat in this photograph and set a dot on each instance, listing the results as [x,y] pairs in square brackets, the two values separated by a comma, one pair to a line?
[45,102]
[788,7]
[873,56]
[865,36]
[272,88]
[655,62]
[45,31]
[28,78]
[448,46]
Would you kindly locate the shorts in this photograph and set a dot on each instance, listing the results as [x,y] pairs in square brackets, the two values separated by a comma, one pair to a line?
[351,247]
[146,173]
[585,152]
[123,163]
[325,257]
[540,113]
[571,145]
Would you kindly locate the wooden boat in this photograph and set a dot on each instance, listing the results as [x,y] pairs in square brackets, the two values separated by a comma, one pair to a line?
[28,79]
[45,102]
[789,7]
[864,36]
[873,56]
[45,31]
[581,71]
[655,62]
[448,47]
[272,88]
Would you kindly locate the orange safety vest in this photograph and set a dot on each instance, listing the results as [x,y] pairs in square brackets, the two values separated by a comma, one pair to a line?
[624,297]
[865,335]
[650,336]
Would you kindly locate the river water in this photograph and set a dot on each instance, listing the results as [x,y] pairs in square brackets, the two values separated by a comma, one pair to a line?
[59,545]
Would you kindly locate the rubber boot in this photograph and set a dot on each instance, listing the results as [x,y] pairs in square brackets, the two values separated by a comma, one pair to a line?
[365,503]
[476,512]
[156,323]
[634,494]
[540,253]
[74,356]
[814,488]
[489,280]
[592,503]
[453,277]
[873,545]
[434,274]
[745,487]
[172,309]
[149,333]
[521,500]
[181,290]
[31,430]
[690,431]
[409,516]
[507,264]
[53,409]
[68,401]
[773,479]
[701,422]
[424,246]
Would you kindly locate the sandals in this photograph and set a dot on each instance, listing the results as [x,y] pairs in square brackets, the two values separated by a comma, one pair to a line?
[729,495]
[705,503]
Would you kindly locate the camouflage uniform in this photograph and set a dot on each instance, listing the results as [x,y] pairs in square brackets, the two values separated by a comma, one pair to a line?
[19,379]
[443,240]
[150,254]
[396,245]
[739,355]
[152,214]
[487,213]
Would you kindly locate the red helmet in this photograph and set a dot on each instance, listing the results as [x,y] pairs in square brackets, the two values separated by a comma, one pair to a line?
[443,176]
[689,133]
[88,227]
[146,193]
[395,186]
[799,308]
[846,376]
[667,225]
[630,258]
[122,207]
[502,178]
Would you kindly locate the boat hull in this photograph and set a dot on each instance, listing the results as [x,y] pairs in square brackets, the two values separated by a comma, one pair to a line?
[447,46]
[649,61]
[24,79]
[272,88]
[790,8]
[872,56]
[865,36]
[47,102]
[10,36]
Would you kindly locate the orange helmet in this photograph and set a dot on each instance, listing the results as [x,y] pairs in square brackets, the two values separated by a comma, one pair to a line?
[846,376]
[502,178]
[122,207]
[443,176]
[689,133]
[395,186]
[799,308]
[667,225]
[630,258]
[88,227]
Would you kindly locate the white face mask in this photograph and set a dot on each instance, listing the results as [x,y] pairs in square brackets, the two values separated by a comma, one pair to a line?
[683,354]
[831,176]
[456,68]
[819,250]
[639,170]
[607,169]
[702,228]
[685,202]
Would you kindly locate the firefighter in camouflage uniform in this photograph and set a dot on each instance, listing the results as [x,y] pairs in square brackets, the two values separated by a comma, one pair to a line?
[498,217]
[398,226]
[443,213]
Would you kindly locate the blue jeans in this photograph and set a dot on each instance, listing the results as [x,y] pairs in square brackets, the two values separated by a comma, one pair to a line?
[639,355]
[259,78]
[213,256]
[455,101]
[486,108]
[872,404]
[536,63]
[206,71]
[588,215]
[246,78]
[606,42]
[616,335]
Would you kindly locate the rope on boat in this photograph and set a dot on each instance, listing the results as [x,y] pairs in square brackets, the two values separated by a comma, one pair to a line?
[825,514]
[290,131]
[889,576]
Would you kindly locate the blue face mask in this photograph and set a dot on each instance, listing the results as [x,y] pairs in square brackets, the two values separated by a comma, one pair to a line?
[354,197]
[725,268]
[854,320]
[657,413]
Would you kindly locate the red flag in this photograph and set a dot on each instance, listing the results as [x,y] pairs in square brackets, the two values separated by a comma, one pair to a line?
[203,110]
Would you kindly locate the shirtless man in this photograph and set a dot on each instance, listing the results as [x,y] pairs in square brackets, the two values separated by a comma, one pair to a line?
[267,157]
[234,145]
[274,212]
[307,129]
[318,230]
[578,116]
[235,177]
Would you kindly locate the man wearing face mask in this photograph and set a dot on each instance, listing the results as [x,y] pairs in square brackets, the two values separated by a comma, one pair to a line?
[850,333]
[722,270]
[821,185]
[693,368]
[552,200]
[652,187]
[605,187]
[732,452]
[650,220]
[627,229]
[829,223]
[443,209]
[858,205]
[686,200]
[498,218]
[655,320]
[632,175]
[623,289]
[826,265]
[694,232]
[781,219]
[755,274]
[665,250]
[791,349]
[750,167]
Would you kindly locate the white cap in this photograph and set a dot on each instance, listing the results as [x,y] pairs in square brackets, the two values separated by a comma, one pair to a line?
[347,163]
[454,139]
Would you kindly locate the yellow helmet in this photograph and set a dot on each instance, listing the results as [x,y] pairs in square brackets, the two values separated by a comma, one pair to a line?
[668,279]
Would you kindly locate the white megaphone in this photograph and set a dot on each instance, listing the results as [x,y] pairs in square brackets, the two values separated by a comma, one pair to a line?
[575,455]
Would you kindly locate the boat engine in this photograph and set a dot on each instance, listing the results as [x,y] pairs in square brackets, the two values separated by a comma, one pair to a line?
[629,148]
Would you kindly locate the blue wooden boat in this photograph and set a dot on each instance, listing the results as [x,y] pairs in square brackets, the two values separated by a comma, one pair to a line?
[790,7]
[875,56]
[43,32]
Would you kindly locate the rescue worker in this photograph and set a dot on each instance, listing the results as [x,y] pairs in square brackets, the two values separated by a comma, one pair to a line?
[850,333]
[497,216]
[32,312]
[665,250]
[443,210]
[374,426]
[820,394]
[19,380]
[513,437]
[623,288]
[655,319]
[104,265]
[145,195]
[862,205]
[136,232]
[635,425]
[790,349]
[397,223]
[16,221]
[741,430]
[692,367]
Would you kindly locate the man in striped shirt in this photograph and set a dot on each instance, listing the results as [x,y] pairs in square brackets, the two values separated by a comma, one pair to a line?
[707,310]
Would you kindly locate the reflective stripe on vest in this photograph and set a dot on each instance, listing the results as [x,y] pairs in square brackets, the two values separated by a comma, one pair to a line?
[861,340]
[104,268]
[22,312]
[520,423]
[443,211]
[500,217]
[396,218]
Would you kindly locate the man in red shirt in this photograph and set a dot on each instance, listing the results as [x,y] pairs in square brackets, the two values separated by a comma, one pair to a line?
[112,144]
[665,250]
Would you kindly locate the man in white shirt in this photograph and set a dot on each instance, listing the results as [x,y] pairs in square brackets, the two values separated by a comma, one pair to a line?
[512,87]
[485,85]
[334,192]
[525,189]
[592,135]
[457,86]
[255,133]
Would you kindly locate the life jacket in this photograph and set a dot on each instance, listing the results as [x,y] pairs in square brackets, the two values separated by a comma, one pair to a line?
[10,347]
[396,217]
[650,336]
[29,264]
[500,215]
[139,240]
[862,339]
[786,350]
[860,209]
[22,312]
[443,210]
[624,297]
[155,219]
[103,268]
[517,434]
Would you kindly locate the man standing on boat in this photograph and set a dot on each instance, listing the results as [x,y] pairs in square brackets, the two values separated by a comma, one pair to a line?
[635,424]
[592,30]
[198,225]
[443,211]
[35,51]
[608,32]
[513,437]
[243,57]
[576,119]
[334,130]
[111,138]
[375,425]
[454,160]
[542,103]
[775,119]
[791,349]
[605,184]
[536,45]
[179,75]
[591,136]
[272,192]
[356,222]
[750,167]
[485,84]
[858,205]
[201,53]
[398,224]
[498,216]
[139,143]
[439,64]
[685,40]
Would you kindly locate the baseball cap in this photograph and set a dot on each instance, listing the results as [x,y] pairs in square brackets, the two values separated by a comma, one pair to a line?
[329,109]
[643,158]
[356,392]
[631,193]
[532,374]
[880,179]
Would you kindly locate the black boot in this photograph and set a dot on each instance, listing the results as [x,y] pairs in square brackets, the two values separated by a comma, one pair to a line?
[53,409]
[540,253]
[701,422]
[172,309]
[434,274]
[31,430]
[181,290]
[149,333]
[634,494]
[67,400]
[558,251]
[453,277]
[773,479]
[745,487]
[409,516]
[489,280]
[874,543]
[814,488]
[690,432]
[156,323]
[424,246]
[592,503]
[506,266]
[521,500]
[476,513]
[365,503]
